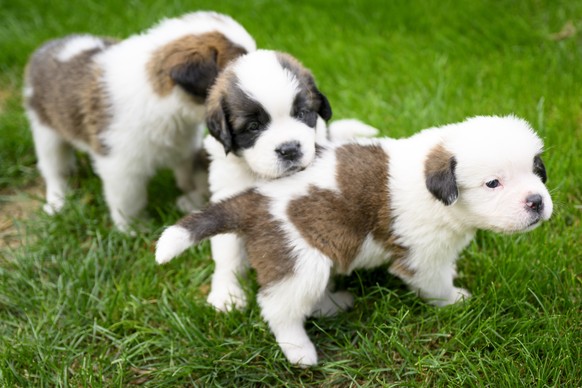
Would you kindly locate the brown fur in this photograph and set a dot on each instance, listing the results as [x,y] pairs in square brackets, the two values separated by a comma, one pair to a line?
[69,96]
[220,88]
[437,160]
[212,49]
[439,170]
[264,237]
[302,74]
[338,223]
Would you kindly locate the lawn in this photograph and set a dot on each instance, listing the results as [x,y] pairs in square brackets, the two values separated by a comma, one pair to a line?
[83,305]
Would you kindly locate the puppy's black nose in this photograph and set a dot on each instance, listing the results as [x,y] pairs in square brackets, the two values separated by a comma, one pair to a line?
[535,202]
[289,151]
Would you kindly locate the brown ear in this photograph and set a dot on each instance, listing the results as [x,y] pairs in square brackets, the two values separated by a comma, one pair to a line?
[189,62]
[197,73]
[439,171]
[218,124]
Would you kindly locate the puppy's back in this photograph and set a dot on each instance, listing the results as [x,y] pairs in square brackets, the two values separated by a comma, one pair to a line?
[64,90]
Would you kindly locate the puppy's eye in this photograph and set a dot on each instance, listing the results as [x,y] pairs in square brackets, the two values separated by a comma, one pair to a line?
[301,114]
[492,184]
[253,126]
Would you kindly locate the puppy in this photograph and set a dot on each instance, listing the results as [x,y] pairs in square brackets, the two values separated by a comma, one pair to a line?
[265,116]
[134,105]
[414,203]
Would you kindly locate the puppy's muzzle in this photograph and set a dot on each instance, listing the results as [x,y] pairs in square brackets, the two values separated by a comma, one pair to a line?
[289,152]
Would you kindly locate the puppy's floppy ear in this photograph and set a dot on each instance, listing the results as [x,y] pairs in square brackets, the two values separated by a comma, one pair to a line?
[439,171]
[540,169]
[218,125]
[324,106]
[197,73]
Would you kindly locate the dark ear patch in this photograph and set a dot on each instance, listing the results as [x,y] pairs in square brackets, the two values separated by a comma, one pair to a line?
[218,125]
[540,169]
[306,79]
[196,75]
[439,171]
[324,107]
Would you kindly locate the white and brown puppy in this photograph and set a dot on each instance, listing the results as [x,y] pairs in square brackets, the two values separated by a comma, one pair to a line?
[414,203]
[265,115]
[134,105]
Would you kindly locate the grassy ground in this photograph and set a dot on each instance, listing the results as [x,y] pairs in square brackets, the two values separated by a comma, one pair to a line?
[83,305]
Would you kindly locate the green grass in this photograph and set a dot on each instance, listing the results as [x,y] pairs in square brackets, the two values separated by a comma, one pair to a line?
[82,305]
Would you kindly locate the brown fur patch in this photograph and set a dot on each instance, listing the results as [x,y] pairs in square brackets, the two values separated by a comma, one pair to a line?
[338,223]
[69,96]
[248,214]
[438,159]
[219,89]
[208,51]
[303,75]
[266,245]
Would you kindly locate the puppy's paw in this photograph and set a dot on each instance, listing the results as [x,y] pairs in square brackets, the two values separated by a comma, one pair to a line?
[227,299]
[173,241]
[333,303]
[303,354]
[460,295]
[456,295]
[54,206]
[190,202]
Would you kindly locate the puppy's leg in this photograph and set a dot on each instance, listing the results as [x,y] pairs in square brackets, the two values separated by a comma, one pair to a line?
[55,160]
[191,177]
[229,266]
[435,284]
[286,303]
[125,191]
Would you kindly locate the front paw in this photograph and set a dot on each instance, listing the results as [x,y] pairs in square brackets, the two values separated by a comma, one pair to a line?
[227,299]
[54,206]
[456,295]
[301,354]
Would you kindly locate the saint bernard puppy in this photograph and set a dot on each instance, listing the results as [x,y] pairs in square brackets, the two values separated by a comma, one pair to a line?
[134,105]
[265,116]
[414,203]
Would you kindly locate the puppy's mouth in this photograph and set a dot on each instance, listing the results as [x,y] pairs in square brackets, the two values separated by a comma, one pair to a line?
[290,170]
[533,223]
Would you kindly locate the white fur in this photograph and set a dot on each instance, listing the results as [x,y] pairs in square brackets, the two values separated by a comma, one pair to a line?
[173,241]
[263,79]
[262,158]
[301,292]
[350,129]
[55,160]
[147,131]
[77,46]
[433,233]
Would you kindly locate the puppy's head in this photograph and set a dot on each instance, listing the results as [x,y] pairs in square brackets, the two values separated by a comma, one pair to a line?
[489,169]
[203,44]
[264,108]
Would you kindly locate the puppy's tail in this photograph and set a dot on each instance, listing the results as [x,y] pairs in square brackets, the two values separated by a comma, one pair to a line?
[223,217]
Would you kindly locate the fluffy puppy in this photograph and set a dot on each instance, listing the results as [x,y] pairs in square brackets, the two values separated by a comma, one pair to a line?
[265,116]
[134,105]
[414,203]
